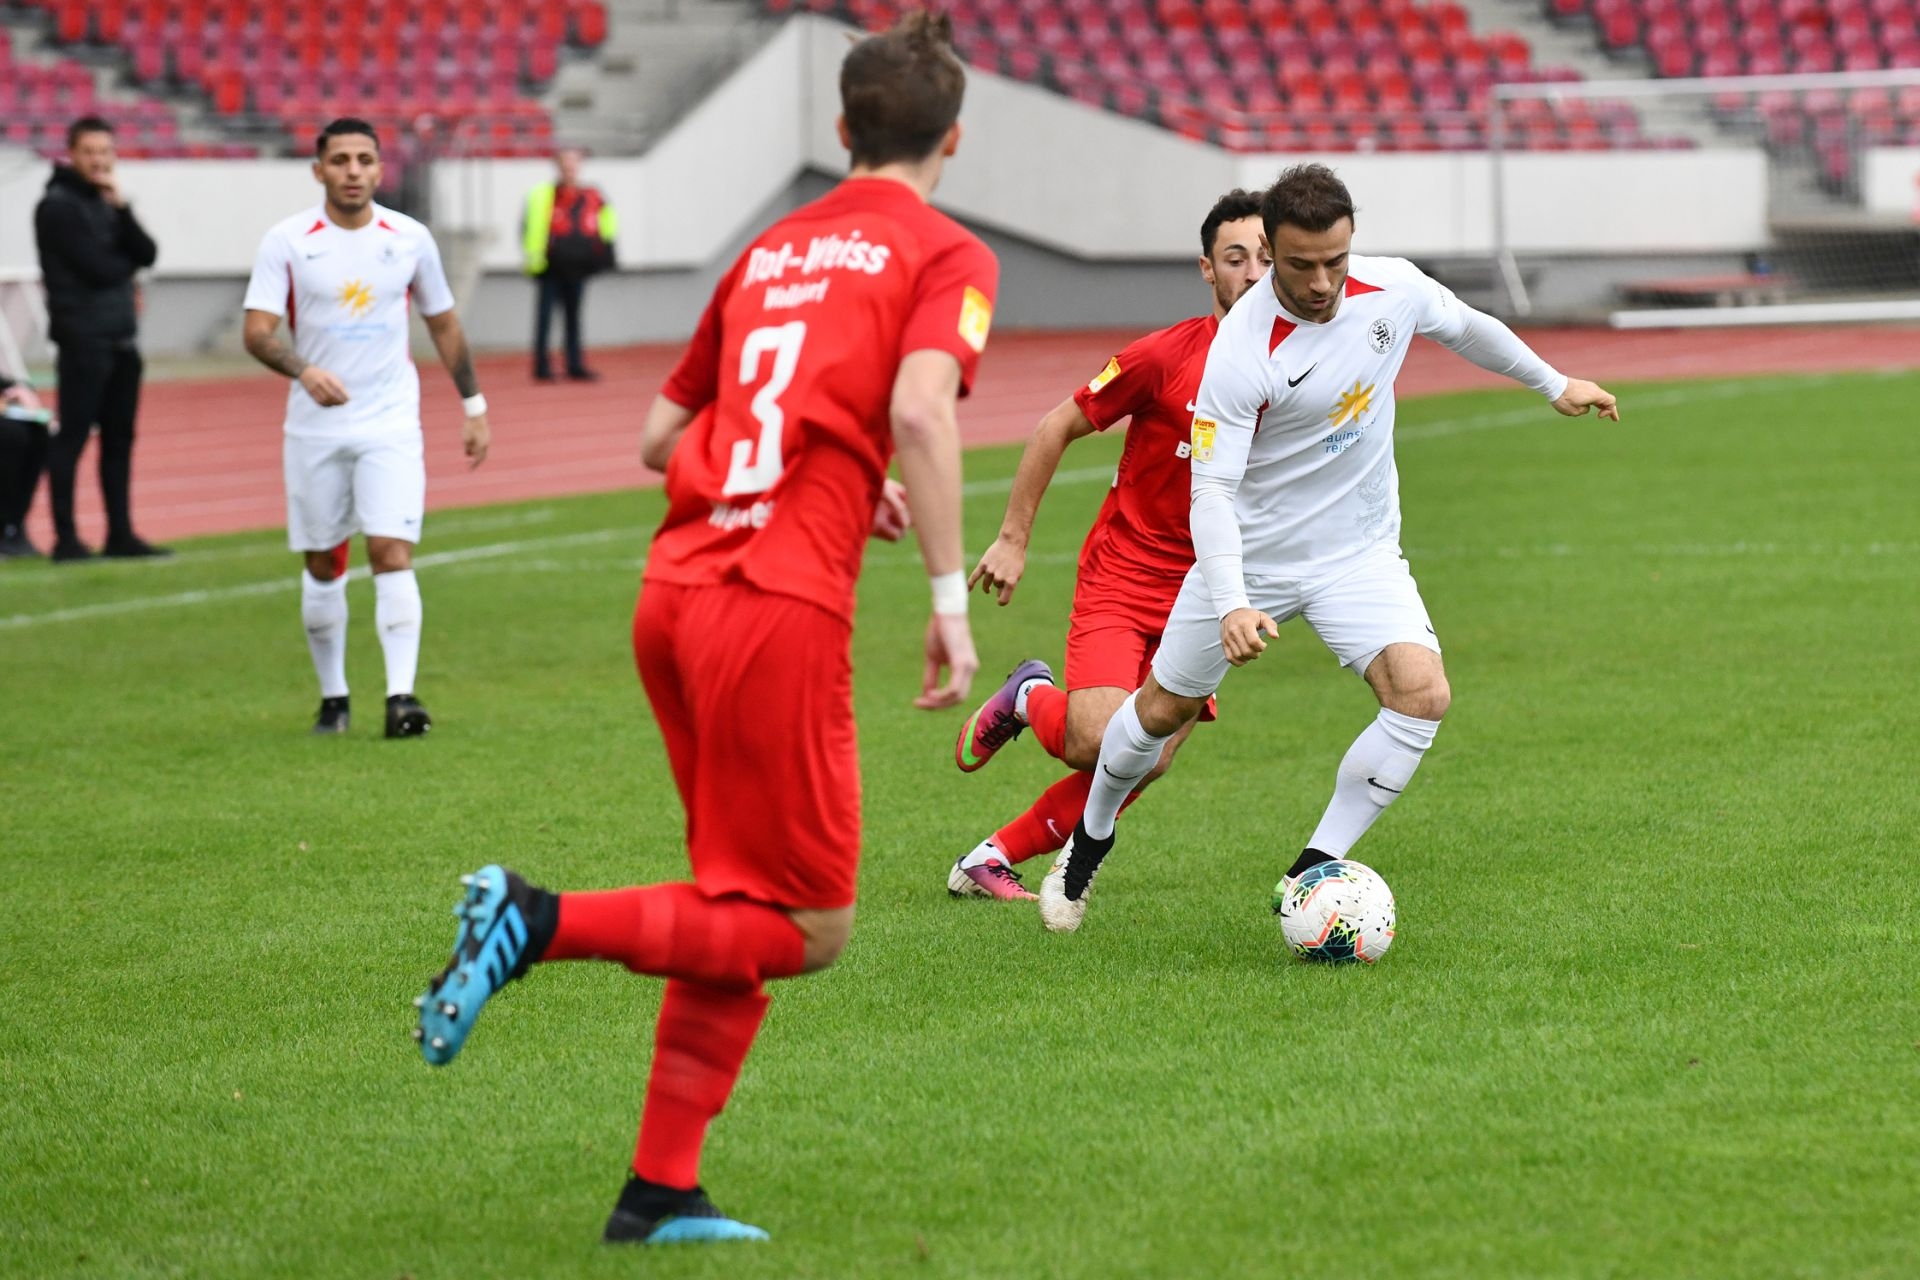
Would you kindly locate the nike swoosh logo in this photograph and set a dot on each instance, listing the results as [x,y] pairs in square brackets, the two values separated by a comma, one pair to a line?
[1111,774]
[1432,632]
[318,253]
[1193,406]
[1294,382]
[1054,830]
[1375,782]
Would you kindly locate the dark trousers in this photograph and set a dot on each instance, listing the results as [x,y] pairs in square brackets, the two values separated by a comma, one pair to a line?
[23,452]
[567,291]
[99,386]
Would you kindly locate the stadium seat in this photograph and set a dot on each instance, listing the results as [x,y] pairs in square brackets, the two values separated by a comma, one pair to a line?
[274,60]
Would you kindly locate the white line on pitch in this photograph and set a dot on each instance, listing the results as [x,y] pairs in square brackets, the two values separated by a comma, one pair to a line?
[1728,390]
[291,582]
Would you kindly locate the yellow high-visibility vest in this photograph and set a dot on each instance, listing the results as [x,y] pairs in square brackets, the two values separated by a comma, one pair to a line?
[536,223]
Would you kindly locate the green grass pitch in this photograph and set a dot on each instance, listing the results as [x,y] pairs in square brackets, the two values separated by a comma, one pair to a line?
[1651,1011]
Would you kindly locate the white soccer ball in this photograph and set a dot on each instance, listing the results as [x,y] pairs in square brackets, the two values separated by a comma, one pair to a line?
[1336,912]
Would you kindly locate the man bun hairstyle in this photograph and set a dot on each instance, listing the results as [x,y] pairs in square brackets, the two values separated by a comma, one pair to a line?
[900,90]
[339,128]
[85,125]
[1236,204]
[1308,196]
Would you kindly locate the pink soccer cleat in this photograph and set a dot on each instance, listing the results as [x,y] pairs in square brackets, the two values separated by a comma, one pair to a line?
[991,879]
[995,723]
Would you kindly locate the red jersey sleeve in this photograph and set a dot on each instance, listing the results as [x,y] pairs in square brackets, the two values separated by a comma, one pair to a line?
[952,306]
[1130,382]
[695,381]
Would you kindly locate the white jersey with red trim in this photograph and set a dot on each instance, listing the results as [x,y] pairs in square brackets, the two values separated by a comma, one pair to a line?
[345,296]
[1295,419]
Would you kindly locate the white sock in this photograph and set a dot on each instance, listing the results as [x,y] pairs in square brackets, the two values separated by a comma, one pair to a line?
[323,610]
[983,853]
[396,612]
[1020,698]
[1127,754]
[1375,770]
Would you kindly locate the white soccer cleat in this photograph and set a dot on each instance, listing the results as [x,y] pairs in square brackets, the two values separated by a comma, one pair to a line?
[1069,882]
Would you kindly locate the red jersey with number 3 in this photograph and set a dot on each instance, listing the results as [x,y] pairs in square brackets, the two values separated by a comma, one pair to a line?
[792,372]
[1139,549]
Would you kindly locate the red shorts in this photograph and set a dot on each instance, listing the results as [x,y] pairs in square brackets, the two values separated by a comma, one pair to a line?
[753,693]
[1111,644]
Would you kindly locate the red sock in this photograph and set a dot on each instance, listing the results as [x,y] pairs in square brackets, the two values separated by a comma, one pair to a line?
[1045,827]
[1047,715]
[701,1040]
[675,931]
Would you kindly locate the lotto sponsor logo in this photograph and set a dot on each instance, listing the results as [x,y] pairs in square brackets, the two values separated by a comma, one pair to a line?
[1107,375]
[356,297]
[824,253]
[1202,439]
[976,318]
[1354,403]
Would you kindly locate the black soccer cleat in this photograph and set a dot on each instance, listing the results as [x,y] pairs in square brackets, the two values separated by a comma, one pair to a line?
[334,716]
[406,718]
[649,1213]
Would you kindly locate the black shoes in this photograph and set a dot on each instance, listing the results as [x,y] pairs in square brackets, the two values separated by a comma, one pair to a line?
[68,550]
[582,375]
[406,718]
[333,717]
[16,545]
[649,1213]
[133,547]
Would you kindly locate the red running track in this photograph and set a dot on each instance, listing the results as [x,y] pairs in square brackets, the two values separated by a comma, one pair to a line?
[208,456]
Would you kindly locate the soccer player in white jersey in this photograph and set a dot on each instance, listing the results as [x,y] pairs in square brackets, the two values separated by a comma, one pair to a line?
[1296,511]
[343,275]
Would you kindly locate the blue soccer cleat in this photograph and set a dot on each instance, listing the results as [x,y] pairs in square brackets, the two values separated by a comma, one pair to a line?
[652,1214]
[500,916]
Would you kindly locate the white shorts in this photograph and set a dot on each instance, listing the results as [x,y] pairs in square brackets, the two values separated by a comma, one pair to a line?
[1357,610]
[337,488]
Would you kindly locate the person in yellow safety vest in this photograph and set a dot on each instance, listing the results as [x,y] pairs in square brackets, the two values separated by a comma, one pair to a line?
[567,233]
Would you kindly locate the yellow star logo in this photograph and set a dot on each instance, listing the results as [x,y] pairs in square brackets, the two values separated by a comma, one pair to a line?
[357,298]
[1352,404]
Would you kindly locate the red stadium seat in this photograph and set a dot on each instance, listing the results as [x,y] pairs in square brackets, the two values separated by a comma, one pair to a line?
[590,23]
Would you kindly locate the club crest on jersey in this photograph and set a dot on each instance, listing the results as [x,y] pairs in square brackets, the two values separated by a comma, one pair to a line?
[1202,439]
[389,253]
[1106,375]
[976,317]
[1381,335]
[356,297]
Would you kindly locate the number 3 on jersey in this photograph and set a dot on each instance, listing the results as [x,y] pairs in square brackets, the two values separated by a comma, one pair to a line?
[754,469]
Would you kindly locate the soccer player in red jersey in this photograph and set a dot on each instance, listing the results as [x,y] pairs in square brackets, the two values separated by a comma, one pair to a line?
[839,340]
[1131,566]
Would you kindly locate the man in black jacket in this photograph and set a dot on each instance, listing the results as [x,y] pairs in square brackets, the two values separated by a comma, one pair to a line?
[90,248]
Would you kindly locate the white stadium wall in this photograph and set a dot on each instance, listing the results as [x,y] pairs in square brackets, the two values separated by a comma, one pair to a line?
[1890,182]
[1092,193]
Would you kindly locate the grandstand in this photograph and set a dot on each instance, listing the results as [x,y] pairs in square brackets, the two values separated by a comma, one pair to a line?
[265,71]
[1778,194]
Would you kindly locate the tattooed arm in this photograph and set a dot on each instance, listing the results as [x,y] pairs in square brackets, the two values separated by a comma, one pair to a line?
[266,344]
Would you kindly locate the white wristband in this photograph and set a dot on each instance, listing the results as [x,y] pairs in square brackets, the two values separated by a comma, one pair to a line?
[475,405]
[949,592]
